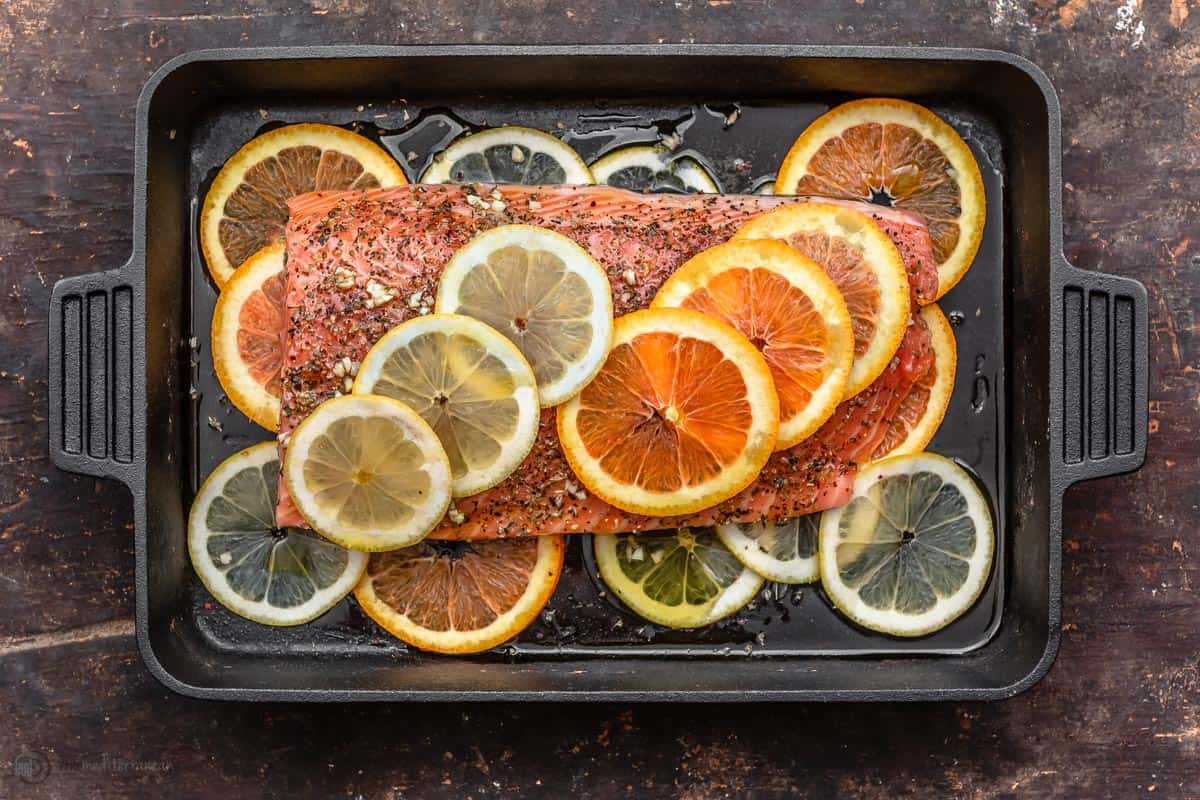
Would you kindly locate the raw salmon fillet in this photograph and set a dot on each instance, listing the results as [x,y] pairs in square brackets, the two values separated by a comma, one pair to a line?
[343,248]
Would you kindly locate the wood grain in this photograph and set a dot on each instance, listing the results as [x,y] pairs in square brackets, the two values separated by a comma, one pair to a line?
[1118,716]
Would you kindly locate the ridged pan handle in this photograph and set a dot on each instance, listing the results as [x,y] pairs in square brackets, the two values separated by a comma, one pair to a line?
[91,381]
[1102,411]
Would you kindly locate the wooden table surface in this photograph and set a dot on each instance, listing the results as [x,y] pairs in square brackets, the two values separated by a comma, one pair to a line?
[1119,714]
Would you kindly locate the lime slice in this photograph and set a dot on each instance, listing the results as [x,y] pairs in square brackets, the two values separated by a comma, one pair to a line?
[784,551]
[510,154]
[469,383]
[644,168]
[680,579]
[276,576]
[545,293]
[368,473]
[912,550]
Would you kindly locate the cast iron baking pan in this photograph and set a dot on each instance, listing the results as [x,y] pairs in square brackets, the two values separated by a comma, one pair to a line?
[1051,384]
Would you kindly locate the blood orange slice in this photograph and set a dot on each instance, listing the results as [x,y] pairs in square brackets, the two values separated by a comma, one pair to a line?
[900,154]
[461,597]
[682,415]
[247,351]
[246,207]
[864,265]
[788,309]
[923,408]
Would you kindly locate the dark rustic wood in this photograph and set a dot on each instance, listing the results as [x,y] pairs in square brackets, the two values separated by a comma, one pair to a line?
[1119,715]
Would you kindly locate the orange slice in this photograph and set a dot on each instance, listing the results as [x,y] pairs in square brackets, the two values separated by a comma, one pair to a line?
[461,597]
[923,408]
[682,415]
[865,266]
[788,309]
[900,154]
[247,351]
[246,206]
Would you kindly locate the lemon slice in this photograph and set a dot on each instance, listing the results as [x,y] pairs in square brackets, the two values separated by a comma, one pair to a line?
[643,168]
[276,576]
[542,291]
[784,551]
[912,550]
[510,154]
[246,206]
[680,579]
[471,385]
[367,473]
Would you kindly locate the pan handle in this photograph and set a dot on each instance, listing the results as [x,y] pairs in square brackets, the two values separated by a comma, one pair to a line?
[1100,409]
[92,407]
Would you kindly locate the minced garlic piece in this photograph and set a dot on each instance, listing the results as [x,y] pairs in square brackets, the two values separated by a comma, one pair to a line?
[378,294]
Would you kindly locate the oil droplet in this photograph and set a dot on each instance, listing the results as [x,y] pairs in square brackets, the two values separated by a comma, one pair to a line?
[956,317]
[981,389]
[979,394]
[237,440]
